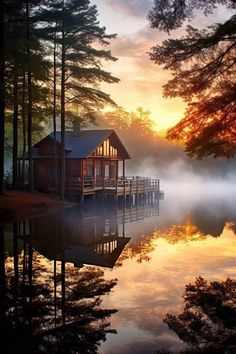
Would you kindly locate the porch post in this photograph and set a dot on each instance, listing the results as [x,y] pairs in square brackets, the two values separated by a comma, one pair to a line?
[82,175]
[124,182]
[117,169]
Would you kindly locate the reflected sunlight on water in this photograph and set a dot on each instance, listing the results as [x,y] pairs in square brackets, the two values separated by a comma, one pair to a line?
[102,280]
[147,291]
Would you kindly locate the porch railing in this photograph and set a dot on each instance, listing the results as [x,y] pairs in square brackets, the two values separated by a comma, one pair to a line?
[133,184]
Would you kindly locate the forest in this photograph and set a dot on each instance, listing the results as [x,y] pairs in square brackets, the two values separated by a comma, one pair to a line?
[53,61]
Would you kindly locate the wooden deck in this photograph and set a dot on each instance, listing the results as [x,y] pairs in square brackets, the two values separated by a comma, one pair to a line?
[127,186]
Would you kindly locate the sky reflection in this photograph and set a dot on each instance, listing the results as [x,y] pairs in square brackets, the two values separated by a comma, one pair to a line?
[175,255]
[161,247]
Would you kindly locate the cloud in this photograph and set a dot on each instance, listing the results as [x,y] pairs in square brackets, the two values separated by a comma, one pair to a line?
[137,8]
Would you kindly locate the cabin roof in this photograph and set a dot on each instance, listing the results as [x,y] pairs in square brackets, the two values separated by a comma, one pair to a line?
[82,145]
[81,254]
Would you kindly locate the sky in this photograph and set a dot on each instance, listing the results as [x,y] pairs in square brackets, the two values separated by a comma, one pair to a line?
[141,80]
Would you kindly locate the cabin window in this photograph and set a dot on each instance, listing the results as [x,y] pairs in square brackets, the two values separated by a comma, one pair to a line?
[97,167]
[99,151]
[113,151]
[88,168]
[106,149]
[90,171]
[107,171]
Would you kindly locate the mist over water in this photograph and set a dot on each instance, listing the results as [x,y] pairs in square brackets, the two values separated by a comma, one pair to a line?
[188,191]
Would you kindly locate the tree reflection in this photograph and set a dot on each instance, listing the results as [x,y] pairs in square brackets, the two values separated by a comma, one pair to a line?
[51,307]
[208,322]
[141,248]
[186,232]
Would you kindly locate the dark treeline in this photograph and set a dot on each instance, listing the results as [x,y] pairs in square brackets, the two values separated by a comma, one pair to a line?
[51,66]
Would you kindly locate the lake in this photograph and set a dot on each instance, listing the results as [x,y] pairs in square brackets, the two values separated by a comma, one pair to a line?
[101,280]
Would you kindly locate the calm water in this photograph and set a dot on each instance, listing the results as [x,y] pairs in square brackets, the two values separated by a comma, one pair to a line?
[102,281]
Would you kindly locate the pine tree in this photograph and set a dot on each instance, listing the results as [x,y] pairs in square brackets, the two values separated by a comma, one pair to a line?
[2,93]
[203,67]
[79,37]
[26,71]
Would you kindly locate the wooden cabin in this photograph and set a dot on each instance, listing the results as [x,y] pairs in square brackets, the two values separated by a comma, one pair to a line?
[95,164]
[92,156]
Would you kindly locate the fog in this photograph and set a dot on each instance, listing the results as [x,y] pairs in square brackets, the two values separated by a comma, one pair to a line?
[179,176]
[188,193]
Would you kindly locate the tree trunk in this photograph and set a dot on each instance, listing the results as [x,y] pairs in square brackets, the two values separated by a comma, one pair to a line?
[54,110]
[2,96]
[63,167]
[29,108]
[23,130]
[2,276]
[15,128]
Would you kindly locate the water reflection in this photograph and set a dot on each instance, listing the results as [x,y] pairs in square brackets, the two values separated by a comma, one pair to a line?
[63,277]
[49,306]
[164,254]
[208,321]
[50,296]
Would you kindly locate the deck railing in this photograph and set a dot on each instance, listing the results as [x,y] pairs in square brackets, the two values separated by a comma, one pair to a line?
[131,184]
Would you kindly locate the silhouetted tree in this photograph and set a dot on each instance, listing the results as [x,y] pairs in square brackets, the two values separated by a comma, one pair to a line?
[203,65]
[209,317]
[2,93]
[26,71]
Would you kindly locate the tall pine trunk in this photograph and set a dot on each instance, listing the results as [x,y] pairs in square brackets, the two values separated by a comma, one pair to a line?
[15,127]
[29,107]
[54,110]
[2,95]
[63,162]
[23,129]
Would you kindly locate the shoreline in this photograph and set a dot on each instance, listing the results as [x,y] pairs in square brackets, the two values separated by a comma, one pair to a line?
[19,205]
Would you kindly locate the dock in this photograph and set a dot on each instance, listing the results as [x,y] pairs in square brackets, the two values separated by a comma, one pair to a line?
[134,187]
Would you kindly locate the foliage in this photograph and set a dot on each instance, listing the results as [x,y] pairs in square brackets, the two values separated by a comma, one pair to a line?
[209,317]
[203,67]
[84,41]
[19,62]
[137,123]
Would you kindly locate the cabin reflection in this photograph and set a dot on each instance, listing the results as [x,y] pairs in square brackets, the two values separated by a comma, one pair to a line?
[97,238]
[48,306]
[92,240]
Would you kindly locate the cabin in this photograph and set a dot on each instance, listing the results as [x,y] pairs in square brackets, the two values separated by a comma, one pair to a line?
[91,157]
[94,164]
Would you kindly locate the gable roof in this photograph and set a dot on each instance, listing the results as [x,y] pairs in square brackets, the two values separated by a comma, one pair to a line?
[82,145]
[80,254]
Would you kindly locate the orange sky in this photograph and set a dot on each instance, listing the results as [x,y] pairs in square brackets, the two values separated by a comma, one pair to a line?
[141,80]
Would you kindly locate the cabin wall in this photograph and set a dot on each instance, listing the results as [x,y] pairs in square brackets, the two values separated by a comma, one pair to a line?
[44,170]
[100,168]
[44,174]
[73,168]
[47,148]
